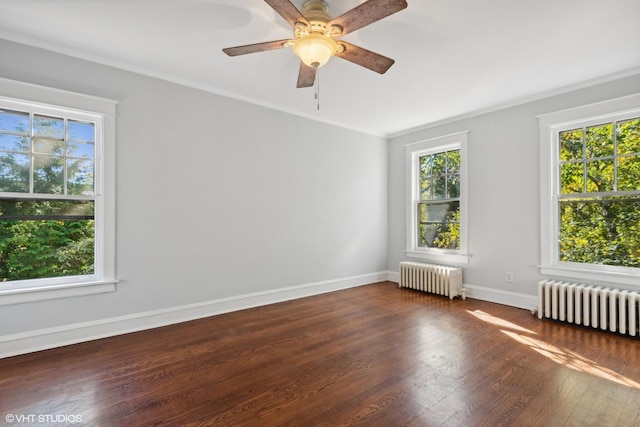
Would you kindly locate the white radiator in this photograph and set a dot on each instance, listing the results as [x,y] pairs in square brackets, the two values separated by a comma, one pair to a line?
[436,279]
[589,305]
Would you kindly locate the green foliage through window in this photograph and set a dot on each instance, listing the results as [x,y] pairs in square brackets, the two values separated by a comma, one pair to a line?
[34,249]
[599,202]
[439,206]
[47,223]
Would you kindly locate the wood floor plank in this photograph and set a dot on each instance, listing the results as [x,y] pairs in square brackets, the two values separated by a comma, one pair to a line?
[372,355]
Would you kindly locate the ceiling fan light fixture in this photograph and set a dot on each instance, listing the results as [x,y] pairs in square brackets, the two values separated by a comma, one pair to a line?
[315,49]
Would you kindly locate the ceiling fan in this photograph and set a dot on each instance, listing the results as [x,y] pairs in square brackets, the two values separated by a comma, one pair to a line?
[317,35]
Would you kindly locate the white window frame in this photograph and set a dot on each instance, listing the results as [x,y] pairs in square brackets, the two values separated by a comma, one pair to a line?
[550,126]
[413,152]
[101,111]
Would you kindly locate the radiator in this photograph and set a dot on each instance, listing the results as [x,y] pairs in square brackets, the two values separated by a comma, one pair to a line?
[606,308]
[436,279]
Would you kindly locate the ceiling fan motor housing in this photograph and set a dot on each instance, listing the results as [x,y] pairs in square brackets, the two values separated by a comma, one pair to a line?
[316,10]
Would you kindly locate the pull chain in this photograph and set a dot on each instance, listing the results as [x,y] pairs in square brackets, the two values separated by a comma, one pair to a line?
[317,97]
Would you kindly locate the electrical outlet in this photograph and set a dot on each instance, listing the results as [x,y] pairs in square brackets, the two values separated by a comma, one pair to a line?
[508,276]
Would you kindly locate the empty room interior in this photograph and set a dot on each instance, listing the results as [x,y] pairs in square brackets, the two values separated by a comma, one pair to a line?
[320,212]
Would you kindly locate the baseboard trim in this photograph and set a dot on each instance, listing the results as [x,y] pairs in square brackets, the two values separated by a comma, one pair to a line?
[393,276]
[44,339]
[513,299]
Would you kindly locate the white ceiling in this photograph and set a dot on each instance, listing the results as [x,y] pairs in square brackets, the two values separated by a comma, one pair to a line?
[453,57]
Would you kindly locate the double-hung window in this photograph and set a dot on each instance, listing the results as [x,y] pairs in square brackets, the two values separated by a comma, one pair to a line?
[590,192]
[56,207]
[436,199]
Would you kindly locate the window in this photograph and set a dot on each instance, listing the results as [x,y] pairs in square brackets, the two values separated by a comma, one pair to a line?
[436,199]
[591,191]
[56,208]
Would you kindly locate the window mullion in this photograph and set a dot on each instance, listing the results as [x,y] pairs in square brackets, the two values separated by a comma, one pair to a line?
[64,156]
[446,174]
[31,153]
[584,160]
[615,156]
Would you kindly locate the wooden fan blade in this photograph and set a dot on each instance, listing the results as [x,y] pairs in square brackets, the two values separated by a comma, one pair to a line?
[306,75]
[365,58]
[367,13]
[257,47]
[288,11]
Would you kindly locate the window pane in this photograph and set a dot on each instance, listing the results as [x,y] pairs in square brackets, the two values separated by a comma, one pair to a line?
[79,149]
[628,136]
[48,175]
[453,186]
[81,131]
[439,187]
[48,127]
[629,173]
[453,161]
[14,142]
[439,163]
[571,178]
[425,189]
[48,146]
[440,236]
[600,176]
[439,225]
[14,172]
[600,231]
[80,177]
[45,238]
[571,145]
[599,141]
[437,212]
[425,165]
[15,122]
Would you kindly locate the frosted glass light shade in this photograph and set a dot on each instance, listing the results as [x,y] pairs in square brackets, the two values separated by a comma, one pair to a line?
[315,49]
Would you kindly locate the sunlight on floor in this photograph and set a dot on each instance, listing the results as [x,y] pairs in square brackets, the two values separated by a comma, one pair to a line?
[486,317]
[562,356]
[572,360]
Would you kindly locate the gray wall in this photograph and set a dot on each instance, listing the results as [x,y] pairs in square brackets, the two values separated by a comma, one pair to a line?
[216,197]
[220,198]
[504,186]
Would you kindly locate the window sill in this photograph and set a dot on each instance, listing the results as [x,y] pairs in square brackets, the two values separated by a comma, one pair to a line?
[439,257]
[19,296]
[594,276]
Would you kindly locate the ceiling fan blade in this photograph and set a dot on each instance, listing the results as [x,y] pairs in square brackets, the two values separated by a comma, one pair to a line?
[257,47]
[365,58]
[288,11]
[367,13]
[306,76]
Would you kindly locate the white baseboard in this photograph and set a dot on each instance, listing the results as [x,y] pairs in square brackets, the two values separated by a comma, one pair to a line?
[393,276]
[513,299]
[43,339]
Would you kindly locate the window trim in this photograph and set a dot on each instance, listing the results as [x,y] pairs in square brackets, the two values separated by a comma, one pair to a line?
[550,125]
[413,151]
[104,280]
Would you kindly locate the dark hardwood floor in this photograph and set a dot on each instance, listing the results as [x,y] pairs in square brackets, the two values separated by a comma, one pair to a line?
[373,355]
